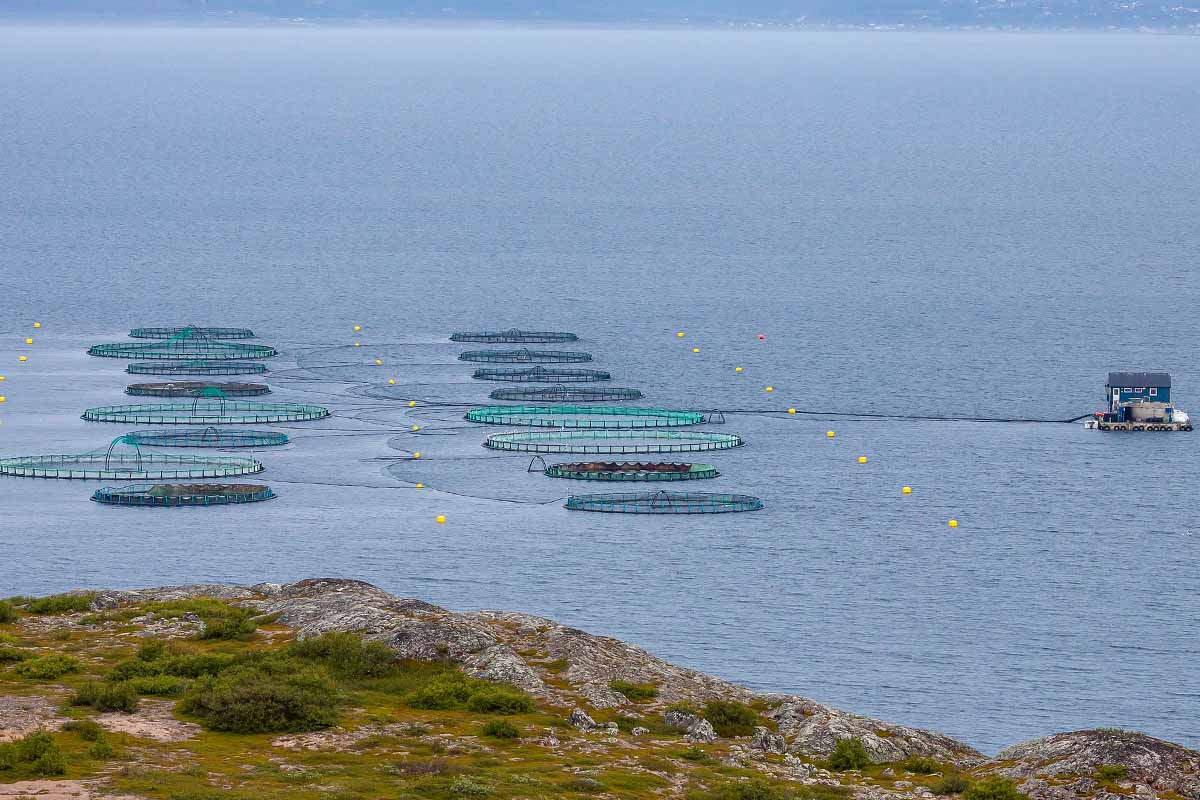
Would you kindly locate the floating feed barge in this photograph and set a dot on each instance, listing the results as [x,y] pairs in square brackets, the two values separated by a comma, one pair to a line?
[541,375]
[209,437]
[611,442]
[590,417]
[211,333]
[514,336]
[1139,401]
[195,388]
[197,367]
[207,412]
[663,502]
[525,356]
[187,344]
[176,495]
[129,464]
[565,394]
[631,471]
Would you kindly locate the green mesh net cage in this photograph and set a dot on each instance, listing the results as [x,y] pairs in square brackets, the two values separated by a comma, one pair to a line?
[590,417]
[524,356]
[564,394]
[197,367]
[174,495]
[663,502]
[195,388]
[209,408]
[611,442]
[631,471]
[211,333]
[209,437]
[541,375]
[124,459]
[188,344]
[514,336]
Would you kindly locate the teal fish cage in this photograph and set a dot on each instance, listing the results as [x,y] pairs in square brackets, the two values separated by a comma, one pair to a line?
[187,344]
[541,375]
[605,442]
[175,330]
[591,417]
[564,394]
[179,495]
[663,502]
[525,356]
[210,407]
[197,367]
[209,437]
[630,471]
[195,388]
[128,463]
[513,336]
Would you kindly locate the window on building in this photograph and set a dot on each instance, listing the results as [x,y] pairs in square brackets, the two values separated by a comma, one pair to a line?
[1153,392]
[1127,389]
[1140,389]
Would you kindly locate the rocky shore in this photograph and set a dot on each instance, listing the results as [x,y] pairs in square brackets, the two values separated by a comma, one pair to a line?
[576,676]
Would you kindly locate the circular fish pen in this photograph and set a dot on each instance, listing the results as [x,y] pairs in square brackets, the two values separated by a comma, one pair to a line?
[541,375]
[198,367]
[591,417]
[209,437]
[611,442]
[663,502]
[211,333]
[166,495]
[128,464]
[194,389]
[631,471]
[524,356]
[188,344]
[207,412]
[514,336]
[565,394]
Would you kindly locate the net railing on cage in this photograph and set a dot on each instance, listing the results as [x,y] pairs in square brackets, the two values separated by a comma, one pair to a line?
[564,394]
[209,437]
[168,495]
[124,459]
[524,356]
[208,332]
[197,367]
[631,471]
[663,502]
[194,388]
[513,336]
[541,375]
[589,417]
[205,411]
[611,442]
[189,343]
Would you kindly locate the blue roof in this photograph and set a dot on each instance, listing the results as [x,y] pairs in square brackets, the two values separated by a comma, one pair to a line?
[1156,379]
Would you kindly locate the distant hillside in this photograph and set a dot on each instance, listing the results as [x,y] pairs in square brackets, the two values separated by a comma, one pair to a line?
[1092,14]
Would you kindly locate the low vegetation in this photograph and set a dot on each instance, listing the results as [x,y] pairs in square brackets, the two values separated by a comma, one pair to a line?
[849,754]
[730,718]
[993,787]
[635,692]
[7,612]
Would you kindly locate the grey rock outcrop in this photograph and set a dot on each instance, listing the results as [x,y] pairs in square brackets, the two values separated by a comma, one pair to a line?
[582,720]
[768,741]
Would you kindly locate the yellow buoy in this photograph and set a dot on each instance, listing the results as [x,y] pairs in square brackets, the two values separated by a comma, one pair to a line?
[791,411]
[22,359]
[862,459]
[29,341]
[907,490]
[695,349]
[378,362]
[416,455]
[737,369]
[412,403]
[770,388]
[391,381]
[420,486]
[680,334]
[416,427]
[1,377]
[3,398]
[829,434]
[441,520]
[358,344]
[37,324]
[953,523]
[357,328]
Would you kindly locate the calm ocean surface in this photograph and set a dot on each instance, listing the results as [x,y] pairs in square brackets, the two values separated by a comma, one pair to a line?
[950,224]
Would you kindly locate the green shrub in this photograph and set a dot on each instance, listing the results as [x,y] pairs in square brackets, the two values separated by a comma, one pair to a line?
[694,753]
[730,718]
[47,668]
[228,628]
[197,665]
[101,750]
[346,655]
[34,745]
[265,697]
[635,692]
[446,691]
[160,685]
[921,765]
[8,756]
[151,650]
[993,787]
[1112,772]
[9,655]
[62,603]
[952,783]
[849,754]
[7,612]
[500,700]
[88,729]
[501,729]
[52,762]
[221,620]
[584,784]
[107,697]
[466,787]
[754,789]
[134,668]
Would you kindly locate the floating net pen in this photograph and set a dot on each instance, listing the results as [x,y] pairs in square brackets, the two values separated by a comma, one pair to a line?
[211,333]
[631,471]
[174,495]
[564,394]
[128,464]
[207,412]
[187,344]
[592,417]
[541,375]
[525,356]
[663,502]
[194,388]
[611,442]
[198,367]
[514,336]
[209,437]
